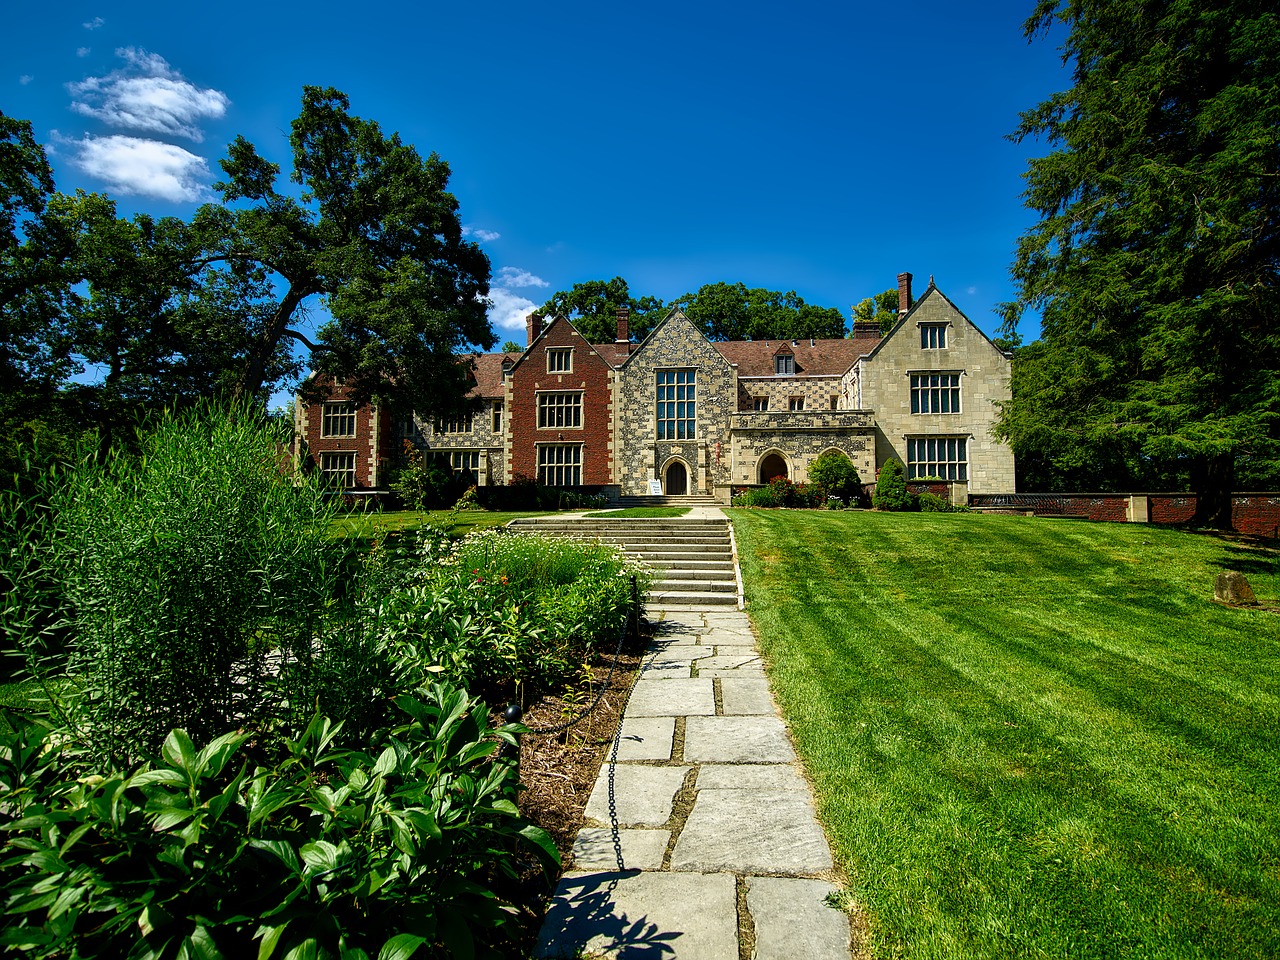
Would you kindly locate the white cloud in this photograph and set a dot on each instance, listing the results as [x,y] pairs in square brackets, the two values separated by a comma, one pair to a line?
[25,79]
[515,277]
[146,167]
[93,24]
[148,95]
[83,51]
[484,236]
[971,290]
[509,310]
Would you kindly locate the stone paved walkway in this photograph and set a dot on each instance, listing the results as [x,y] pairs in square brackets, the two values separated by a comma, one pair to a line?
[700,836]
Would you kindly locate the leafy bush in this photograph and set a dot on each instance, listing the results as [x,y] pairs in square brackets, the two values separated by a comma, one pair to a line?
[422,483]
[834,473]
[932,503]
[891,488]
[781,492]
[182,567]
[317,852]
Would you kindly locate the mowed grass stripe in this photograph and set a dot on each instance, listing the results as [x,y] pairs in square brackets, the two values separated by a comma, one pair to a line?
[1029,737]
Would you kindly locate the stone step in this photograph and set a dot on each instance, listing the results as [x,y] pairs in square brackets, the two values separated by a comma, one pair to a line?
[692,600]
[694,586]
[680,573]
[689,564]
[676,557]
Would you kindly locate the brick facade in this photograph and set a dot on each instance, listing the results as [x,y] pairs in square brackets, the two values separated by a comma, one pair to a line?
[589,379]
[366,442]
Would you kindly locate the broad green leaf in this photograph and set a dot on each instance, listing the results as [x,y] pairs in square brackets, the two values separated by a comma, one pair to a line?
[270,938]
[401,947]
[180,752]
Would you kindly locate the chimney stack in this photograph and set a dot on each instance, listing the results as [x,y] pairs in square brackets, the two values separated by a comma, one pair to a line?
[533,326]
[624,325]
[904,293]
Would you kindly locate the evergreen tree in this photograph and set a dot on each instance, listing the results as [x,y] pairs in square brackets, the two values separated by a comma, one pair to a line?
[1155,257]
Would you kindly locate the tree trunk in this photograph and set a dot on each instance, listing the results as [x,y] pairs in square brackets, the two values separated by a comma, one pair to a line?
[255,365]
[1213,479]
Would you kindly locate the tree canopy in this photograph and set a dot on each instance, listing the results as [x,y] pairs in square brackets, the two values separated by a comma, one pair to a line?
[1154,260]
[593,307]
[723,311]
[882,309]
[165,310]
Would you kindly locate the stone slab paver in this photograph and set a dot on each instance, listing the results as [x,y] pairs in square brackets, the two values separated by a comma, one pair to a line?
[746,695]
[642,796]
[752,831]
[654,697]
[736,740]
[646,738]
[641,849]
[791,919]
[768,777]
[642,916]
[752,818]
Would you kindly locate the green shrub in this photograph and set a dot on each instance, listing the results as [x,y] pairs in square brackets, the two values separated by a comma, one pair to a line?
[183,567]
[317,851]
[932,503]
[891,488]
[834,473]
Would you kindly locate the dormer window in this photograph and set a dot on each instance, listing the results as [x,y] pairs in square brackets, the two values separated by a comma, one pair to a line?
[784,365]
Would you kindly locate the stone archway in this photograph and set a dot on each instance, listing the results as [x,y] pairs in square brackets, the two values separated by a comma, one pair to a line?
[774,465]
[677,482]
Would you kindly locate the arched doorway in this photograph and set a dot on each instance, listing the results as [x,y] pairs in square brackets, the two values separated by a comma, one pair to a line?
[772,466]
[677,484]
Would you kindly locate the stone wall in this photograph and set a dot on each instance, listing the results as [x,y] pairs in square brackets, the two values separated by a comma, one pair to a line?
[676,344]
[816,391]
[799,438]
[884,379]
[481,438]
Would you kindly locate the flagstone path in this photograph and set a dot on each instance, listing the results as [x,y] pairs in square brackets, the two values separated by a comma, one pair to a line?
[700,841]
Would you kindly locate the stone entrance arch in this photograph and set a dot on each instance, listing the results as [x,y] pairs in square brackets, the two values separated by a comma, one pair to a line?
[773,465]
[677,479]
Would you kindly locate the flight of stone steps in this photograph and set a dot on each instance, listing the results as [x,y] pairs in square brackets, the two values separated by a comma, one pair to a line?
[692,558]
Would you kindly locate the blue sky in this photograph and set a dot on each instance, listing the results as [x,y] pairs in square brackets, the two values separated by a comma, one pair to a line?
[816,148]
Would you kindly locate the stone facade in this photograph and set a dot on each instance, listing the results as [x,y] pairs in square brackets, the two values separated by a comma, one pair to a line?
[934,337]
[674,345]
[685,411]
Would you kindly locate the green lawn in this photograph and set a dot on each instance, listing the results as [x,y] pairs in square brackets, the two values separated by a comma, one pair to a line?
[1028,737]
[641,513]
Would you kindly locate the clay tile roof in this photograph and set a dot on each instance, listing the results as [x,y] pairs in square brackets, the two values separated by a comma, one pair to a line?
[488,373]
[824,358]
[614,353]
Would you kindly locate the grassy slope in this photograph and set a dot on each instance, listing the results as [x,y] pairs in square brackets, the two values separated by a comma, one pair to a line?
[1029,737]
[456,523]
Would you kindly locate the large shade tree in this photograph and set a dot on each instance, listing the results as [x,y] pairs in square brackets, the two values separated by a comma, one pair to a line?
[1154,260]
[377,235]
[593,306]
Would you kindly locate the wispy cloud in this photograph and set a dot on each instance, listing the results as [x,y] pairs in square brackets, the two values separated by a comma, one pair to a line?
[484,236]
[144,167]
[148,95]
[83,51]
[509,310]
[515,277]
[25,79]
[93,24]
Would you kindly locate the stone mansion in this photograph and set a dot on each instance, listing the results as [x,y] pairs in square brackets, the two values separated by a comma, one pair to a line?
[703,417]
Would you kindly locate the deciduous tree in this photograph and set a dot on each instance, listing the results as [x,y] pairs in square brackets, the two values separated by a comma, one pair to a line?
[593,307]
[1154,261]
[882,309]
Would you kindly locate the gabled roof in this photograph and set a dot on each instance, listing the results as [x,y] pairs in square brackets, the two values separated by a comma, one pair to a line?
[814,358]
[605,352]
[674,314]
[932,291]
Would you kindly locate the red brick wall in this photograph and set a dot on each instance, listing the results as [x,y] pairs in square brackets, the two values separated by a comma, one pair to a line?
[1257,514]
[1171,508]
[362,444]
[591,376]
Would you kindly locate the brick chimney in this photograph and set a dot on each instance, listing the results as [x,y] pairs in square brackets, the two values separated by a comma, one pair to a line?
[624,325]
[533,326]
[904,293]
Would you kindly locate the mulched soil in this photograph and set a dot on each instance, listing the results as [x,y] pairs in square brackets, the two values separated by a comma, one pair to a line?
[557,771]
